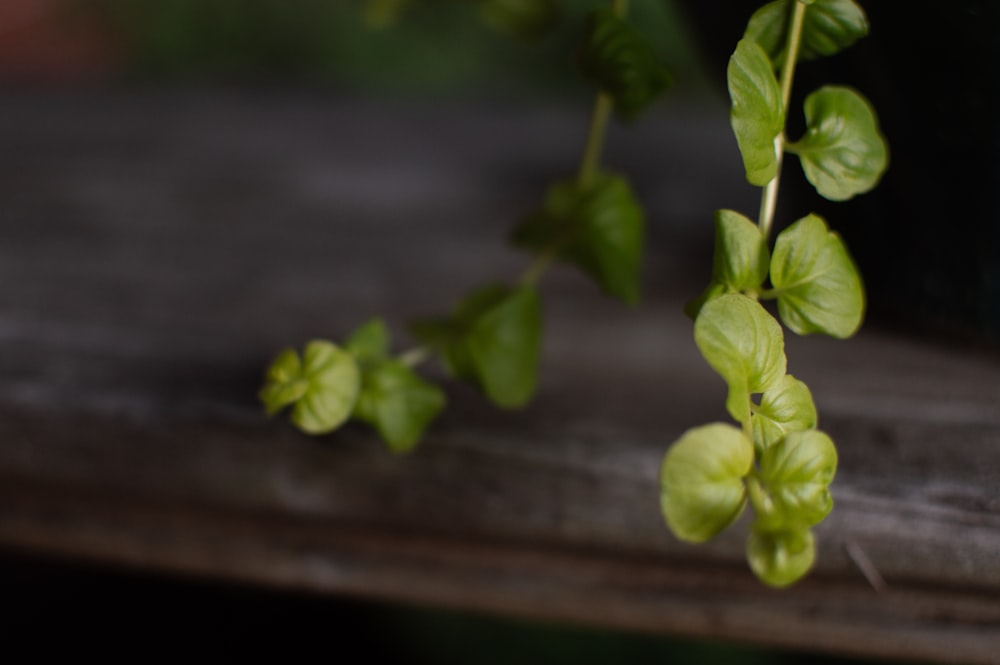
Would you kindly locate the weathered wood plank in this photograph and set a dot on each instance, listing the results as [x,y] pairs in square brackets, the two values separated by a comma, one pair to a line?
[158,249]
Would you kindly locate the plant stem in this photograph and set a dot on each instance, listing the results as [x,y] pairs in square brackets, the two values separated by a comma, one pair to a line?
[603,106]
[590,166]
[769,198]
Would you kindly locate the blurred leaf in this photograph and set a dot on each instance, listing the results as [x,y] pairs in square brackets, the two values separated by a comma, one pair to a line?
[599,228]
[398,403]
[370,342]
[526,19]
[779,558]
[493,338]
[701,481]
[323,386]
[621,62]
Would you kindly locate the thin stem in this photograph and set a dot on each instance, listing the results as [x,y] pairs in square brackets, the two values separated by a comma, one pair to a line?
[590,165]
[769,198]
[599,117]
[413,357]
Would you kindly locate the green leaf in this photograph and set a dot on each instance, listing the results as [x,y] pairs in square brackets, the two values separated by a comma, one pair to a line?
[793,485]
[744,344]
[779,558]
[786,407]
[599,228]
[526,19]
[741,254]
[370,342]
[693,307]
[757,114]
[398,403]
[621,62]
[504,346]
[741,259]
[829,27]
[701,481]
[816,282]
[493,338]
[843,153]
[323,386]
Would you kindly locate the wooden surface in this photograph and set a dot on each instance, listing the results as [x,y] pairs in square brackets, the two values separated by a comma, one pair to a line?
[158,249]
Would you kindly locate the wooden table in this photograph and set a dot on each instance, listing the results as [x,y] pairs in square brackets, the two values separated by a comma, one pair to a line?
[157,249]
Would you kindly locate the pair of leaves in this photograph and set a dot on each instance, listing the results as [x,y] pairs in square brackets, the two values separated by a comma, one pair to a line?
[816,283]
[843,152]
[708,476]
[493,338]
[393,398]
[598,226]
[829,27]
[328,384]
[622,64]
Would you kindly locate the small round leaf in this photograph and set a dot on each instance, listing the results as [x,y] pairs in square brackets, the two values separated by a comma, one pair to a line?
[843,152]
[816,282]
[621,62]
[701,481]
[779,558]
[744,344]
[794,481]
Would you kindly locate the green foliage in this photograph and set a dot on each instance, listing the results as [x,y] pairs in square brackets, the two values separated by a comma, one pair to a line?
[493,338]
[757,113]
[843,152]
[598,227]
[780,558]
[817,284]
[830,26]
[787,406]
[744,344]
[701,481]
[527,19]
[622,63]
[792,488]
[321,387]
[393,399]
[398,403]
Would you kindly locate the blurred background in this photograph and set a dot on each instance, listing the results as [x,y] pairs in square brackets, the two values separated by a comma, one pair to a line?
[927,240]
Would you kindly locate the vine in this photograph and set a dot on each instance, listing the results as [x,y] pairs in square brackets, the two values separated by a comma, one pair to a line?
[776,460]
[492,337]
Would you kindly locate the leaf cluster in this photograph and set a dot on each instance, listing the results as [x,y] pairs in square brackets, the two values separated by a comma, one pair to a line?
[493,337]
[776,461]
[329,384]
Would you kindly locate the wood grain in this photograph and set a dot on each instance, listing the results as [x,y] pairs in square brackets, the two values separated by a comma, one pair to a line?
[159,248]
